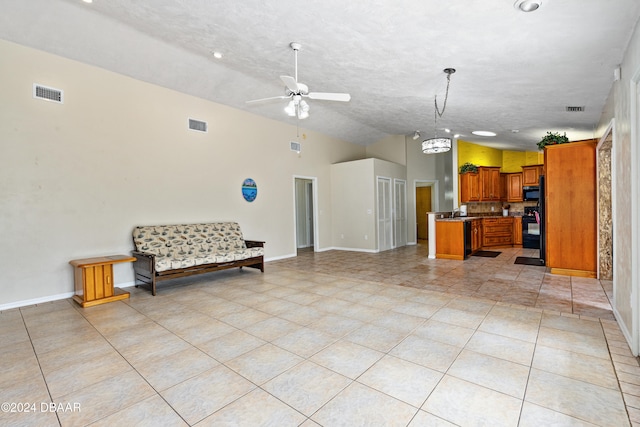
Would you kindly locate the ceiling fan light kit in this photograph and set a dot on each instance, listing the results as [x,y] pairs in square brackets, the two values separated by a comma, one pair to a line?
[437,145]
[296,91]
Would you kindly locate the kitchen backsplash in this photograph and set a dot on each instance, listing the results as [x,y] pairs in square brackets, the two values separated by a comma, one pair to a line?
[495,208]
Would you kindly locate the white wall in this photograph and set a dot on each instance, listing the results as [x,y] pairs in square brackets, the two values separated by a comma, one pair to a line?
[626,193]
[354,199]
[76,178]
[436,168]
[392,149]
[354,203]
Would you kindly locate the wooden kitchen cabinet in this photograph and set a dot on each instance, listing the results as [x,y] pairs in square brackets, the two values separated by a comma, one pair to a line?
[571,216]
[489,183]
[504,187]
[476,235]
[517,231]
[450,239]
[514,187]
[497,231]
[469,187]
[531,175]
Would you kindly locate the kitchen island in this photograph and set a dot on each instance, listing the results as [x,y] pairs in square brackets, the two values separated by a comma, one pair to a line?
[454,237]
[459,237]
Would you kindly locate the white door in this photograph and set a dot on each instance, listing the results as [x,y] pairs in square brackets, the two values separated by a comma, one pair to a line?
[400,212]
[385,220]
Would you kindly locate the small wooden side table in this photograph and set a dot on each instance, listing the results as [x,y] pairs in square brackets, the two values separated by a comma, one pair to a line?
[94,280]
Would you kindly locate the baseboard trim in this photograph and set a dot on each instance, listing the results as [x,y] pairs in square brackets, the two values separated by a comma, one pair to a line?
[371,251]
[34,301]
[624,330]
[277,258]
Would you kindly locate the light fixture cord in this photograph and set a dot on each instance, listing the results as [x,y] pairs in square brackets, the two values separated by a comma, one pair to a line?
[446,96]
[437,113]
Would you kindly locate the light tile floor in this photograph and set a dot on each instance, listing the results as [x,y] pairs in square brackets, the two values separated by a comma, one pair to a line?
[331,339]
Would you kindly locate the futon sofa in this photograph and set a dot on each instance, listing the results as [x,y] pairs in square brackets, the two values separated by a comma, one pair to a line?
[165,252]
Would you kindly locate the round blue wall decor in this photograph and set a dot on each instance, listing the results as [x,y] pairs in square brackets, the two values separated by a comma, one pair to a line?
[249,190]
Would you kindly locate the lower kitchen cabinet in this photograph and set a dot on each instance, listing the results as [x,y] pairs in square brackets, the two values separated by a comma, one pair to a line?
[497,231]
[453,239]
[517,231]
[460,238]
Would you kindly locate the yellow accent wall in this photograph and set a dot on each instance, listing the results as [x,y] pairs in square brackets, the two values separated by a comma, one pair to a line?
[509,161]
[478,154]
[534,158]
[512,161]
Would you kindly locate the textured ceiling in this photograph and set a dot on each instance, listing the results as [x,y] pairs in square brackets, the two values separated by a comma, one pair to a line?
[515,70]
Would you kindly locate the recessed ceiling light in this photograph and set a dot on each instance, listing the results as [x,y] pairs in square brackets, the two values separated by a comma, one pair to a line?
[88,1]
[515,130]
[447,130]
[527,5]
[217,55]
[483,133]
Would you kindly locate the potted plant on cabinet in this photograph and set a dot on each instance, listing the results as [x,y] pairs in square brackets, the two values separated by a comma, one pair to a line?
[468,167]
[552,139]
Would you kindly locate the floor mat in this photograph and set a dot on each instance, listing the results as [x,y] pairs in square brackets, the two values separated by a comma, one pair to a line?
[487,254]
[529,261]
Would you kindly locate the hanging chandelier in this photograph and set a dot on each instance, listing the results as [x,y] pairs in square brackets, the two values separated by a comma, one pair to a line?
[438,145]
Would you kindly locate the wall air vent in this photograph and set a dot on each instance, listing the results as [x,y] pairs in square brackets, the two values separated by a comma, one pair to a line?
[295,146]
[197,125]
[575,109]
[48,93]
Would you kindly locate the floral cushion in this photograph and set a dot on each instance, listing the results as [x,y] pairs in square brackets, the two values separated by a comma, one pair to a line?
[187,245]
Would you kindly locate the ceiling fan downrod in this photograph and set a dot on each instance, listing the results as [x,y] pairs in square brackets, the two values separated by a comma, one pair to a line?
[296,47]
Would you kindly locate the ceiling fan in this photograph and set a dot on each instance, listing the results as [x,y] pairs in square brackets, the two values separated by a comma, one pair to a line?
[296,92]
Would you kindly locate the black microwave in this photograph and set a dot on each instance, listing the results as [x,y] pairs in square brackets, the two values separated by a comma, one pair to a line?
[531,193]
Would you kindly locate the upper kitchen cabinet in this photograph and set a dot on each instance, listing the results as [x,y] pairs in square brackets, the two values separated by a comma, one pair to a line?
[483,186]
[489,183]
[513,184]
[570,214]
[469,187]
[504,187]
[531,174]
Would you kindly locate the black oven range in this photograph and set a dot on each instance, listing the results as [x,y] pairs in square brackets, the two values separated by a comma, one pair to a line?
[531,228]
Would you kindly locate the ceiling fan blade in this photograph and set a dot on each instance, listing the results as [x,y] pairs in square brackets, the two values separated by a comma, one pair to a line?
[290,83]
[326,96]
[273,98]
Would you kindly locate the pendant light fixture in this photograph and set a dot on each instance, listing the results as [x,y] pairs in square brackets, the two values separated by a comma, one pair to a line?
[438,145]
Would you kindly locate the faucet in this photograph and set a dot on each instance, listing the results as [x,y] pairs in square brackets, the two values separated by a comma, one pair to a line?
[453,212]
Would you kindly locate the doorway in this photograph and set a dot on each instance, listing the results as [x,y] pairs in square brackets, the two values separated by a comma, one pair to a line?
[304,195]
[426,197]
[423,205]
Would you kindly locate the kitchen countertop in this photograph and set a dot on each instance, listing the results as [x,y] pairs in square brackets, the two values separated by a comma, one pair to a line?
[459,219]
[470,218]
